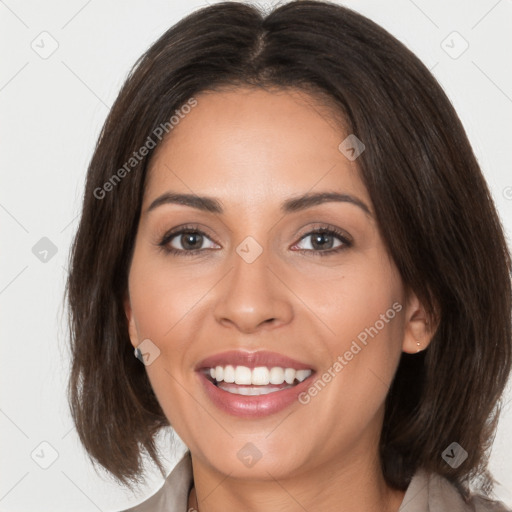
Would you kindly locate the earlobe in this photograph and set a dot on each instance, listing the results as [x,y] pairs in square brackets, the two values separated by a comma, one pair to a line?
[132,328]
[419,330]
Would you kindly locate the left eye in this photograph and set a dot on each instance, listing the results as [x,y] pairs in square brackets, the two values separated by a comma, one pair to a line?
[323,241]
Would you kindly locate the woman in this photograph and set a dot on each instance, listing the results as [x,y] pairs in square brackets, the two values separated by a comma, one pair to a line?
[285,222]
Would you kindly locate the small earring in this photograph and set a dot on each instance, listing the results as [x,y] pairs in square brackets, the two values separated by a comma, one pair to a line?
[138,355]
[419,345]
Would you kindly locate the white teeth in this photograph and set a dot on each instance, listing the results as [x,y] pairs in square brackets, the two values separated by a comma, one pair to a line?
[289,375]
[276,375]
[229,374]
[259,376]
[242,375]
[301,375]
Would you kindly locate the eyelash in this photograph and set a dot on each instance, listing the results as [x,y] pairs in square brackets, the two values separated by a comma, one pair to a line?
[324,230]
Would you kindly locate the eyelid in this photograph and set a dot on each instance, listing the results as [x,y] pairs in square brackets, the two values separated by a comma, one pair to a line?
[322,226]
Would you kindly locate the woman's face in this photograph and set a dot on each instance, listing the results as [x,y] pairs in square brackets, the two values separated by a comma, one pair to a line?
[263,277]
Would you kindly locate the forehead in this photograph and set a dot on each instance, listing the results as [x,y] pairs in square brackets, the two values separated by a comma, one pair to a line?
[248,142]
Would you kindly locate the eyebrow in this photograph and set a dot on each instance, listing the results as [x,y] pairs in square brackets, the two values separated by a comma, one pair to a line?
[213,205]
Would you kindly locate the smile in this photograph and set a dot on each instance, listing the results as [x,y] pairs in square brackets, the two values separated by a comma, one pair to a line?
[261,380]
[253,384]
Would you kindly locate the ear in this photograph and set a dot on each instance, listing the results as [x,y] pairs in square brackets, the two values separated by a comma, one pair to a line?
[132,326]
[419,328]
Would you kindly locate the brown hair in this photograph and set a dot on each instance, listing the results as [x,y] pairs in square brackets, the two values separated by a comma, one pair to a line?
[434,210]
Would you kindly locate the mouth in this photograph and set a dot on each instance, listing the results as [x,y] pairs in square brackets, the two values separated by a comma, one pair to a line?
[260,380]
[253,384]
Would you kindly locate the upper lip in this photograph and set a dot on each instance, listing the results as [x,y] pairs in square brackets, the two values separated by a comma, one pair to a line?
[251,360]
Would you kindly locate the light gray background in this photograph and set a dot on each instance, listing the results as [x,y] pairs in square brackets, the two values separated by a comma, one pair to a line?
[52,110]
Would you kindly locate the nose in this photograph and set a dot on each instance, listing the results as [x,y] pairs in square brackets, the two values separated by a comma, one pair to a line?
[252,296]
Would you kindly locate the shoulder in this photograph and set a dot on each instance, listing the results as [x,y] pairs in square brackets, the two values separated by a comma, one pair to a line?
[430,491]
[173,495]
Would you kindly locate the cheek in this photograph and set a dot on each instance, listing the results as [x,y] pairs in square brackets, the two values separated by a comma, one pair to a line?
[363,308]
[163,295]
[161,301]
[364,295]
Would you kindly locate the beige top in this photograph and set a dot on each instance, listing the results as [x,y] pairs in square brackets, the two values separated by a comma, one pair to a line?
[425,493]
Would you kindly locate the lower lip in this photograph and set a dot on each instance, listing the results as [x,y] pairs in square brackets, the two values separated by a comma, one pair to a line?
[253,406]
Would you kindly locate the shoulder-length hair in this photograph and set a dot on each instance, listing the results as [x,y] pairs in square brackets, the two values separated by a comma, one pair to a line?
[433,208]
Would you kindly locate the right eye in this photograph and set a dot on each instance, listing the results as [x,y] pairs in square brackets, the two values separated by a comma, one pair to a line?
[185,242]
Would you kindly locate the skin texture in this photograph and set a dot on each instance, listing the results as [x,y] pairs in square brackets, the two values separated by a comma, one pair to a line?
[253,149]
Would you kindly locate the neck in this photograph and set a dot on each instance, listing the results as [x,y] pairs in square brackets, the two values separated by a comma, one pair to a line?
[357,488]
